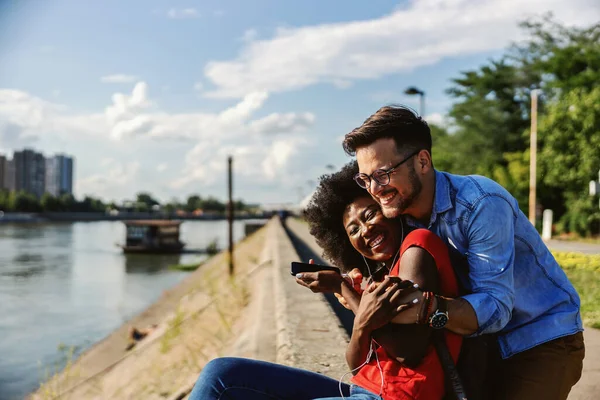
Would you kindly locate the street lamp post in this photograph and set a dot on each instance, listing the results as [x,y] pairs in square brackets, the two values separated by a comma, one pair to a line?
[411,91]
[533,158]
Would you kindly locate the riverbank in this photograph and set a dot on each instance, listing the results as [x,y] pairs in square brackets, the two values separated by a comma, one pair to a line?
[194,320]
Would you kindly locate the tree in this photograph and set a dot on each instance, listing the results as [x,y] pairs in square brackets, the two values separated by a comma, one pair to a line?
[491,115]
[570,155]
[68,202]
[50,203]
[26,202]
[213,205]
[147,199]
[194,202]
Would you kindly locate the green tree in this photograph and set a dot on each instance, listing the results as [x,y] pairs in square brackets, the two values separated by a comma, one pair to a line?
[68,202]
[570,155]
[147,199]
[193,202]
[4,194]
[211,204]
[50,203]
[26,202]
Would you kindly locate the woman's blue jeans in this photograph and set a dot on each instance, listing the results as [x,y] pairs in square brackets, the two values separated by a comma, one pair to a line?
[244,379]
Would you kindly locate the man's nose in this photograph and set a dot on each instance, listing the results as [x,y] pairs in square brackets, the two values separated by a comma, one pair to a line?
[374,187]
[366,228]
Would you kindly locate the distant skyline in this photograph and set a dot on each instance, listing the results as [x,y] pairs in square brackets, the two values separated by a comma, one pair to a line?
[152,95]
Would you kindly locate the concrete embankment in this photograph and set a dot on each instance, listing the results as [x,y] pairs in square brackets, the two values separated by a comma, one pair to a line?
[259,313]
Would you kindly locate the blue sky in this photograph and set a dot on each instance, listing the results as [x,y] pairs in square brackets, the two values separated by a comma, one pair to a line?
[153,95]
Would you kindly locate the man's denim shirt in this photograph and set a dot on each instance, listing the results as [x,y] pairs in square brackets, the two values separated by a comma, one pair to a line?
[516,287]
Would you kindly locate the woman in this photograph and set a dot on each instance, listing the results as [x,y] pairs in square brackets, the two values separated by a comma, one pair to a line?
[400,363]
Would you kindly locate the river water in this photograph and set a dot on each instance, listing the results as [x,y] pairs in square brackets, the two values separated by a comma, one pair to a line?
[67,284]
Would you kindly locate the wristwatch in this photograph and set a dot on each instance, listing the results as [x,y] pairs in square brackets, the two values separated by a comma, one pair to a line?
[440,318]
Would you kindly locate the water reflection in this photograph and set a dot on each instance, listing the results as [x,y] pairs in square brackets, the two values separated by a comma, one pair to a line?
[149,263]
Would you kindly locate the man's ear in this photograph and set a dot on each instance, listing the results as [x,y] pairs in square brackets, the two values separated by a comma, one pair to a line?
[424,161]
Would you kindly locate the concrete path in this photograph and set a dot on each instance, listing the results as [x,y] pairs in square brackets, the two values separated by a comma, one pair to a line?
[567,245]
[588,388]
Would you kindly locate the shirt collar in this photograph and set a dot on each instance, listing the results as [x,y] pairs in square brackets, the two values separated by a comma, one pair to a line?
[442,201]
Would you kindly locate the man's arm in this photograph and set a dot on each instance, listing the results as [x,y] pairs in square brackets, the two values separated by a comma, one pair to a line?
[491,255]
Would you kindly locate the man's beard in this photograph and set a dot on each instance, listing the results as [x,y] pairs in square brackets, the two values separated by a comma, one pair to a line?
[404,203]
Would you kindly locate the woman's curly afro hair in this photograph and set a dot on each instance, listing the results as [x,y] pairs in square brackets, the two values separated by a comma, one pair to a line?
[324,215]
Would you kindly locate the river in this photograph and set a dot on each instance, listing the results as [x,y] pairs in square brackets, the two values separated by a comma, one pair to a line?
[67,284]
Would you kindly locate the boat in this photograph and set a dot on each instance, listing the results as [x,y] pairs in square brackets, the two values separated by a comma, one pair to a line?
[152,236]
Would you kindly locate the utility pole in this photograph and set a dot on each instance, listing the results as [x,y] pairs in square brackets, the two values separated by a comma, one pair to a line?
[230,211]
[533,158]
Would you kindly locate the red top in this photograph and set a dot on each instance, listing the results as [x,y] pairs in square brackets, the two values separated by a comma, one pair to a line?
[427,380]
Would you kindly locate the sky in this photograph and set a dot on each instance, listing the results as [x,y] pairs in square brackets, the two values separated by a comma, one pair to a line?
[154,95]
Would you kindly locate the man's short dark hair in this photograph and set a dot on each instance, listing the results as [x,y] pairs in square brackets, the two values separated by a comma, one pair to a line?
[409,131]
[325,212]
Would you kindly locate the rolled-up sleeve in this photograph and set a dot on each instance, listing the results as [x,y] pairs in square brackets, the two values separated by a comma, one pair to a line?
[491,254]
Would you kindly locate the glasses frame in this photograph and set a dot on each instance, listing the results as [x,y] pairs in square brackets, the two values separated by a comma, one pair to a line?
[361,177]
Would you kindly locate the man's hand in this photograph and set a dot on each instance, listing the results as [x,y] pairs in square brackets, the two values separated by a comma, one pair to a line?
[381,302]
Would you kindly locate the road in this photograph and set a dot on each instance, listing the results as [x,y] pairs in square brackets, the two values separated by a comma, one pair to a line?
[580,247]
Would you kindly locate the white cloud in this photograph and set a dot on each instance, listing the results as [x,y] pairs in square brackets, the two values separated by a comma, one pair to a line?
[259,156]
[277,123]
[112,178]
[119,78]
[249,35]
[198,86]
[436,119]
[420,34]
[183,13]
[162,167]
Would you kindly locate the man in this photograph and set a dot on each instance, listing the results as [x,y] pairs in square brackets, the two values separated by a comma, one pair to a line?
[518,292]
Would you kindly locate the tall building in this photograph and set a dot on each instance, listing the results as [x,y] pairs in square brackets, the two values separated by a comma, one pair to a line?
[59,175]
[3,161]
[30,172]
[9,175]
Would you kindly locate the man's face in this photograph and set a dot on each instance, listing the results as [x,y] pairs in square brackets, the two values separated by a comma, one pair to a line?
[397,197]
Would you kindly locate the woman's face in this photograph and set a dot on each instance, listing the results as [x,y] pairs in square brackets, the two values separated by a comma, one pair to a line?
[371,234]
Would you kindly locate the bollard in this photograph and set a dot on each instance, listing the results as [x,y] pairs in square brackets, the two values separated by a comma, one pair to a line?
[547,225]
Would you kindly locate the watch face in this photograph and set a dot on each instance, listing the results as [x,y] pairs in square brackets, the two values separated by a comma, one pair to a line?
[438,321]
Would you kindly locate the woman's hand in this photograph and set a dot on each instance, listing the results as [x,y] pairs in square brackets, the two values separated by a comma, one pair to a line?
[354,279]
[381,302]
[322,281]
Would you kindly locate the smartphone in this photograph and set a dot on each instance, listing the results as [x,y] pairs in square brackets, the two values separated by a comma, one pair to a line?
[299,267]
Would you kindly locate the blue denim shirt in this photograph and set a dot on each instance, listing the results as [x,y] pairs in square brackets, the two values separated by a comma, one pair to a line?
[516,287]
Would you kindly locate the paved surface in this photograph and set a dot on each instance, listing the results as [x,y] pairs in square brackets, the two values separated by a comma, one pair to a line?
[309,335]
[581,247]
[588,388]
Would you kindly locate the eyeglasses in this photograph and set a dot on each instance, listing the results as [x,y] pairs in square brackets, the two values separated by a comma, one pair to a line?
[381,176]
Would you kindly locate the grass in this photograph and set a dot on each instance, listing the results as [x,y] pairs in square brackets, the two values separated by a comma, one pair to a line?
[172,332]
[584,272]
[51,389]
